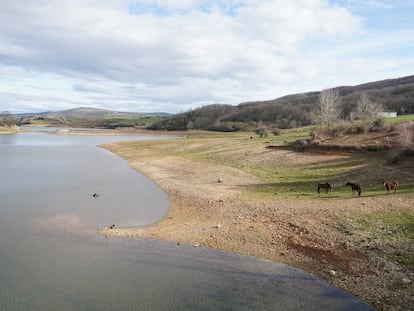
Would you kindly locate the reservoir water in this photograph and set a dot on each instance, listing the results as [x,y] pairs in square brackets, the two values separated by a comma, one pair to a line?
[52,258]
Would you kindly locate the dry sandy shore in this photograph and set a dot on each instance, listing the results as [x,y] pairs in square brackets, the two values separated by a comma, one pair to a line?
[308,234]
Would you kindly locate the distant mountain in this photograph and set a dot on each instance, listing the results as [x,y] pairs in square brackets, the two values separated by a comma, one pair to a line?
[86,117]
[91,113]
[291,110]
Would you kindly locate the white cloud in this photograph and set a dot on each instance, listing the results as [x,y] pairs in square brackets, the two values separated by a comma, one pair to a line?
[170,54]
[379,4]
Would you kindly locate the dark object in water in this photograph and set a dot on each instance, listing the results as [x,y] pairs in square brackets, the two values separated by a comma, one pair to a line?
[95,195]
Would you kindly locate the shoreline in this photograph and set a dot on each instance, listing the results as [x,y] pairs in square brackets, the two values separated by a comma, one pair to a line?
[208,209]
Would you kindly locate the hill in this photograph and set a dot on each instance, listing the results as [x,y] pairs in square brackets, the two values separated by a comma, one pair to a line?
[292,110]
[86,112]
[90,117]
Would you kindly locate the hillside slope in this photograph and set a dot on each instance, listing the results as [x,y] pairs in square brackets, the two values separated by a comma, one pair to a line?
[292,110]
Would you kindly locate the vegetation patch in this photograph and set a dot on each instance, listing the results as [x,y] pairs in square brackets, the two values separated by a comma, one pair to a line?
[235,193]
[393,230]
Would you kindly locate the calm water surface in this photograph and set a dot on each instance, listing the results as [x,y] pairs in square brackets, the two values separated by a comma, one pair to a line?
[52,258]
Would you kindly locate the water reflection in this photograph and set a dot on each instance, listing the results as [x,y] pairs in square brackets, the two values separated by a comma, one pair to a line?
[7,139]
[51,257]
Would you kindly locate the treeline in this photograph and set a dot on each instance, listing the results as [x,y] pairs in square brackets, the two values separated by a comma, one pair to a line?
[293,110]
[7,119]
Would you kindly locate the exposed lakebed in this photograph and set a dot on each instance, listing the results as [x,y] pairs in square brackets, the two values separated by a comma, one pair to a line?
[52,258]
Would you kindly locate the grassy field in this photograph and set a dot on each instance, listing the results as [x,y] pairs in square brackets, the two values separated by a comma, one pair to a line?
[290,174]
[267,205]
[407,117]
[287,174]
[392,230]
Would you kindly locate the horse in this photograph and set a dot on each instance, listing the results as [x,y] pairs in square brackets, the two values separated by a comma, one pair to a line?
[393,185]
[324,185]
[354,187]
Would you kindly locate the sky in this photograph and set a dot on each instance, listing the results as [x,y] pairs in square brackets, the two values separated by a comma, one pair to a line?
[177,55]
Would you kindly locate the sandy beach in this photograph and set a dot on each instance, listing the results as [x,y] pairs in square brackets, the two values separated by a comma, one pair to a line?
[209,209]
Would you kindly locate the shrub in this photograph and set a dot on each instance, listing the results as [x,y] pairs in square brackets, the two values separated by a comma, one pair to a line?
[262,131]
[276,131]
[377,125]
[338,129]
[359,128]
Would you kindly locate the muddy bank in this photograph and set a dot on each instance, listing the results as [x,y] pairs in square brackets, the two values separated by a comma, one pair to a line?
[208,209]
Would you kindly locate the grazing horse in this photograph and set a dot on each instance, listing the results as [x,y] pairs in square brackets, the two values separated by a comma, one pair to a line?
[354,187]
[324,185]
[393,185]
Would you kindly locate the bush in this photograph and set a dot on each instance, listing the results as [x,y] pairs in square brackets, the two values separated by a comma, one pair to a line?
[338,130]
[358,128]
[276,131]
[262,131]
[319,134]
[377,125]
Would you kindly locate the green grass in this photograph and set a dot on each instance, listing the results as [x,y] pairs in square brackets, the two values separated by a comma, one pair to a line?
[407,117]
[392,230]
[282,179]
[39,122]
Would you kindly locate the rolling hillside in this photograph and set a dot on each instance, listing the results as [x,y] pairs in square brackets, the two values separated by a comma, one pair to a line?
[291,110]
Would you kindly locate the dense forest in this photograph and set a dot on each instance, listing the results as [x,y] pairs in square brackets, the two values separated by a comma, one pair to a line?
[292,110]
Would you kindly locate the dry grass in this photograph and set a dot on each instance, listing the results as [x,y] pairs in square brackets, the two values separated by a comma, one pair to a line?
[267,206]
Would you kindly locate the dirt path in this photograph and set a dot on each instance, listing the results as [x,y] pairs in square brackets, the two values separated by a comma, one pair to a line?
[209,210]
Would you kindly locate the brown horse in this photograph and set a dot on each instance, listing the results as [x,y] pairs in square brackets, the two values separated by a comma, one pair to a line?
[393,185]
[324,185]
[354,187]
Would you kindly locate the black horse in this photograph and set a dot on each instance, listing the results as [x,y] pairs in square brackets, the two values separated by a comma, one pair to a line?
[354,187]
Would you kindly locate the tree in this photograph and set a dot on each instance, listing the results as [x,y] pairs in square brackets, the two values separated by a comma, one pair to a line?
[262,131]
[326,110]
[7,119]
[366,109]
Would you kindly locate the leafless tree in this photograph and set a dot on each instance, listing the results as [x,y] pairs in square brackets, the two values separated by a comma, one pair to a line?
[406,135]
[7,119]
[366,109]
[326,110]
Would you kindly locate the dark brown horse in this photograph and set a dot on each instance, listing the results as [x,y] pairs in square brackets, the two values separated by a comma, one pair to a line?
[324,185]
[354,187]
[393,185]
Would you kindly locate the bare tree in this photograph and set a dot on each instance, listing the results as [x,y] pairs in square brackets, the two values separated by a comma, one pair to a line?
[366,109]
[406,135]
[7,119]
[326,110]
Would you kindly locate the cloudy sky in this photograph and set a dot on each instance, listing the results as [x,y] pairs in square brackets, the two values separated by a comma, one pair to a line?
[175,55]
